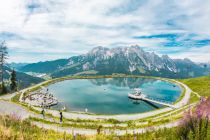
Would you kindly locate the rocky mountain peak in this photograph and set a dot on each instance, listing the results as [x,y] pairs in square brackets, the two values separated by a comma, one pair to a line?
[98,49]
[165,57]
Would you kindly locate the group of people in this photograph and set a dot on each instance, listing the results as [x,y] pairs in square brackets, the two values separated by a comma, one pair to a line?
[40,98]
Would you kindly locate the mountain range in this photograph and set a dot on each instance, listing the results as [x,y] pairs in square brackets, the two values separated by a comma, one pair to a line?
[126,60]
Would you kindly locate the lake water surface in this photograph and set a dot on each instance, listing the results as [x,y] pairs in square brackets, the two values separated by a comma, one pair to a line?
[110,95]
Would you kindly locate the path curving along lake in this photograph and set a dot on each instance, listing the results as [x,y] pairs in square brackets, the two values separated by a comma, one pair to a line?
[110,95]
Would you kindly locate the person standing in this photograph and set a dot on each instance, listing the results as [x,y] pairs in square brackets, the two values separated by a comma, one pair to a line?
[43,112]
[61,116]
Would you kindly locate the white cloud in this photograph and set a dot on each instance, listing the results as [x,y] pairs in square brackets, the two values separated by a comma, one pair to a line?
[195,54]
[72,27]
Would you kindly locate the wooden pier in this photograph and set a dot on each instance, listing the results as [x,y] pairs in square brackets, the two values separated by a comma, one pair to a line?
[152,100]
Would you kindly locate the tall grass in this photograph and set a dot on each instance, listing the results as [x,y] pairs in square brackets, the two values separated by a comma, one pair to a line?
[195,124]
[12,128]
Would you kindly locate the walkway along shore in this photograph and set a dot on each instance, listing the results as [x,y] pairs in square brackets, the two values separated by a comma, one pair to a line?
[125,117]
[8,107]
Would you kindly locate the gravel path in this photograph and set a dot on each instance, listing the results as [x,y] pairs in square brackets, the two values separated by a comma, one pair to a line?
[12,108]
[66,129]
[74,131]
[121,117]
[8,108]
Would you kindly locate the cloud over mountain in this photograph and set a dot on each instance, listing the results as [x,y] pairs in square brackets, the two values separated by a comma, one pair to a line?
[44,29]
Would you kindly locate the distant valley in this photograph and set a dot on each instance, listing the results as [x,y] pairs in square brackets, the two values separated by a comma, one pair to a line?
[23,79]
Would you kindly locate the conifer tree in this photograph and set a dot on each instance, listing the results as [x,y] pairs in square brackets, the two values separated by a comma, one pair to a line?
[13,81]
[3,57]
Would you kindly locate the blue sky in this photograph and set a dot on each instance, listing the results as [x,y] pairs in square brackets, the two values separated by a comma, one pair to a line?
[39,30]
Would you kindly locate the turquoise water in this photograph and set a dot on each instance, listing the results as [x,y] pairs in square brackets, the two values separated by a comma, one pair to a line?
[110,95]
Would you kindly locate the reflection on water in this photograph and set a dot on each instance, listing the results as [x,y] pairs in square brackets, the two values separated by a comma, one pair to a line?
[122,82]
[110,95]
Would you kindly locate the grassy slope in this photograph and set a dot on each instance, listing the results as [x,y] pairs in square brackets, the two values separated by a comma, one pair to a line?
[201,85]
[11,128]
